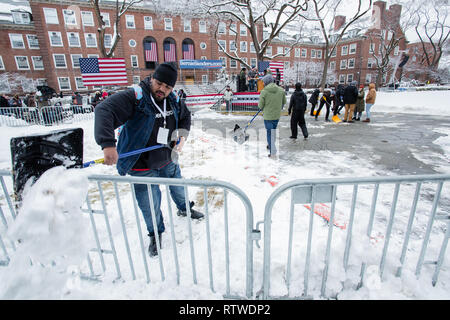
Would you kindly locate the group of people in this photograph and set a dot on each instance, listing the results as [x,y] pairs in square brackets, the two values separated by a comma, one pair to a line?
[353,100]
[252,81]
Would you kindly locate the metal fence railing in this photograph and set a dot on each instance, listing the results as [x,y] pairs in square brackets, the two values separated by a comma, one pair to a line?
[51,115]
[194,251]
[7,216]
[388,223]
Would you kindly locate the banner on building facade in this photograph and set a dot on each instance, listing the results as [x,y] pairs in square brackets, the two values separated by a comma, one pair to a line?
[200,64]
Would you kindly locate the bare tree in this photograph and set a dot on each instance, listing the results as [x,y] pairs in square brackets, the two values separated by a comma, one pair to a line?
[324,13]
[120,8]
[274,15]
[433,29]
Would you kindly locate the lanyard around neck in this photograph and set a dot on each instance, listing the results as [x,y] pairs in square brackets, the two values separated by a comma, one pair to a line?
[159,109]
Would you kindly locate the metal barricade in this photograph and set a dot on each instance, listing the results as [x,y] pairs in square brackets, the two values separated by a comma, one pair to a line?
[6,205]
[119,218]
[385,238]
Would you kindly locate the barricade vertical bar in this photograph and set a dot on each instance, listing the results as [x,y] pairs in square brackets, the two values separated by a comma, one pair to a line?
[308,250]
[8,199]
[2,245]
[208,240]
[138,224]
[124,230]
[108,228]
[372,209]
[155,229]
[389,229]
[172,234]
[2,216]
[291,227]
[437,196]
[94,229]
[191,240]
[91,268]
[328,249]
[441,255]
[409,228]
[348,241]
[227,249]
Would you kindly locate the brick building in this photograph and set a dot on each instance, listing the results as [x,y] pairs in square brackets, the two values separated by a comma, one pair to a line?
[44,45]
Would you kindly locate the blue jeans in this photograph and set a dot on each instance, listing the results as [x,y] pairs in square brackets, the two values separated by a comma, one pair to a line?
[171,170]
[271,126]
[251,84]
[368,106]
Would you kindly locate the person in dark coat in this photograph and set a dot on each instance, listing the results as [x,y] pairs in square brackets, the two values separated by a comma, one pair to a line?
[350,96]
[278,77]
[325,100]
[313,100]
[16,102]
[339,100]
[297,107]
[3,101]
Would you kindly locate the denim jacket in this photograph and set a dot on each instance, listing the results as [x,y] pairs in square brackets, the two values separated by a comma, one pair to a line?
[137,130]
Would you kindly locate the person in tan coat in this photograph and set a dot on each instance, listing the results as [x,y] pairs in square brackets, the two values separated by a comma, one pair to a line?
[370,100]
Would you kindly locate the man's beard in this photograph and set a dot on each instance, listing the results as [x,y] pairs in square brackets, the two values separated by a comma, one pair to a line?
[161,96]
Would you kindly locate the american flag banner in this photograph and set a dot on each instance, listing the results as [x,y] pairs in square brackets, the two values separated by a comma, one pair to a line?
[169,52]
[151,53]
[103,71]
[272,66]
[188,52]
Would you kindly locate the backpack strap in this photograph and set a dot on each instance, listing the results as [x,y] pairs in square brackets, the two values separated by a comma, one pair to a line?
[137,92]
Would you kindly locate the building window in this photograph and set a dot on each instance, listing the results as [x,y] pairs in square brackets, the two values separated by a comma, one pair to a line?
[253,62]
[372,48]
[353,48]
[342,79]
[148,23]
[55,38]
[221,28]
[91,40]
[232,31]
[21,17]
[129,21]
[222,44]
[280,50]
[304,53]
[33,42]
[202,26]
[51,16]
[74,39]
[132,43]
[76,60]
[368,78]
[224,61]
[79,83]
[204,78]
[233,64]
[136,79]
[64,83]
[233,46]
[2,65]
[344,50]
[16,41]
[107,40]
[297,52]
[269,51]
[243,47]
[370,63]
[134,61]
[319,54]
[252,47]
[22,63]
[168,24]
[343,64]
[351,63]
[333,53]
[313,53]
[105,17]
[203,45]
[92,56]
[349,78]
[60,61]
[242,30]
[87,18]
[38,64]
[69,18]
[203,58]
[287,52]
[332,65]
[187,25]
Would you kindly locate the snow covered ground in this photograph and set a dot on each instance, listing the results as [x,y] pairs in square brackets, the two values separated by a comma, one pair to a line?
[50,223]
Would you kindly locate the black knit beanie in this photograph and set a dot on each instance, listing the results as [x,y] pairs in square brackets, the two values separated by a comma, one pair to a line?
[166,73]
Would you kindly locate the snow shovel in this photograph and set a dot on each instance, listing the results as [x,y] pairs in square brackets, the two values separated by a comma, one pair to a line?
[33,155]
[240,135]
